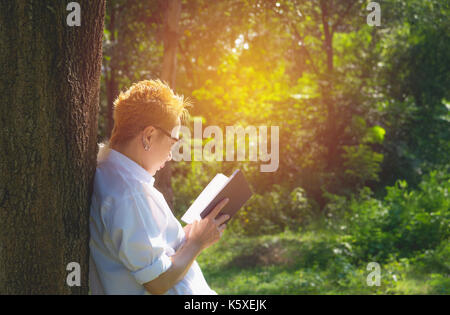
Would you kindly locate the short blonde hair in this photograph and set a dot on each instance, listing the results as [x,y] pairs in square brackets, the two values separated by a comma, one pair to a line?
[148,102]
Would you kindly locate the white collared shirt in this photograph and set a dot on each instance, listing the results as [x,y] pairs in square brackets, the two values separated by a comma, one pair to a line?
[133,232]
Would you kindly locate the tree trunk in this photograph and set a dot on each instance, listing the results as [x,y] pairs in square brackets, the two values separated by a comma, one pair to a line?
[171,26]
[49,108]
[331,136]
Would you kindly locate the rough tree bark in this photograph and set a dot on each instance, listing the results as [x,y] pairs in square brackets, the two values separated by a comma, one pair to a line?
[168,74]
[48,116]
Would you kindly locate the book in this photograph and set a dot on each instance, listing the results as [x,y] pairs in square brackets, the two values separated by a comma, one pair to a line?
[220,187]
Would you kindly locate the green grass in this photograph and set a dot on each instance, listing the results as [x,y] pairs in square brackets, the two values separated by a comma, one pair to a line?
[310,262]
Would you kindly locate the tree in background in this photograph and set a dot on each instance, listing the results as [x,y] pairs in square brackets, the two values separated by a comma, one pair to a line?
[141,41]
[345,94]
[414,81]
[302,65]
[172,9]
[131,51]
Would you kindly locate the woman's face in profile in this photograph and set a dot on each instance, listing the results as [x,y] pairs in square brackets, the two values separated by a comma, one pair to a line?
[160,151]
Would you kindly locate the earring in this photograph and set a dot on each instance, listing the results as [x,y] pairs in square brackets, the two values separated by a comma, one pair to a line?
[146,145]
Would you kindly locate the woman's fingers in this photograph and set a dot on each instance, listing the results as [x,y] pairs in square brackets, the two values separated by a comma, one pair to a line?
[209,230]
[222,219]
[187,229]
[218,207]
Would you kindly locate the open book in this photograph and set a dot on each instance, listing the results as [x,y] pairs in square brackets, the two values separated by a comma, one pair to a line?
[220,187]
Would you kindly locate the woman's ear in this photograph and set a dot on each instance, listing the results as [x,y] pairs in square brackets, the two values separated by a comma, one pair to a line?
[147,136]
[148,133]
[149,130]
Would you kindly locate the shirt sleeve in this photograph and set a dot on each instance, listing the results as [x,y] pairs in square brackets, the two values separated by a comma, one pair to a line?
[138,241]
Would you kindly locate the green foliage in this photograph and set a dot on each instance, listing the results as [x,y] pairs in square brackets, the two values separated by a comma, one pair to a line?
[316,261]
[414,78]
[367,108]
[375,135]
[276,210]
[404,223]
[361,163]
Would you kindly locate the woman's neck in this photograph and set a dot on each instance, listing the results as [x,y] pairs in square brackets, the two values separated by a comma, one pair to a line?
[128,149]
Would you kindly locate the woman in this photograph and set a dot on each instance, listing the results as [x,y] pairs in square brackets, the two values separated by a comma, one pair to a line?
[137,246]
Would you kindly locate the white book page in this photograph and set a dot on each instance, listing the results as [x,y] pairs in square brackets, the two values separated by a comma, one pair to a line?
[205,197]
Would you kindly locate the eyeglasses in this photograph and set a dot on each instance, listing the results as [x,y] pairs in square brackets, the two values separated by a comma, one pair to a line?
[167,133]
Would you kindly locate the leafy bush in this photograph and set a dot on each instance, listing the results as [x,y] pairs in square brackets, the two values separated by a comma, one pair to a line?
[276,210]
[404,223]
[433,260]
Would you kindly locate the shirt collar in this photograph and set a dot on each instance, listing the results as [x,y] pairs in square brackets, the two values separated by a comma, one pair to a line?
[138,171]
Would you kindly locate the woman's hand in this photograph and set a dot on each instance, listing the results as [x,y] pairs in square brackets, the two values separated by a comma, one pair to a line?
[187,229]
[199,235]
[208,230]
